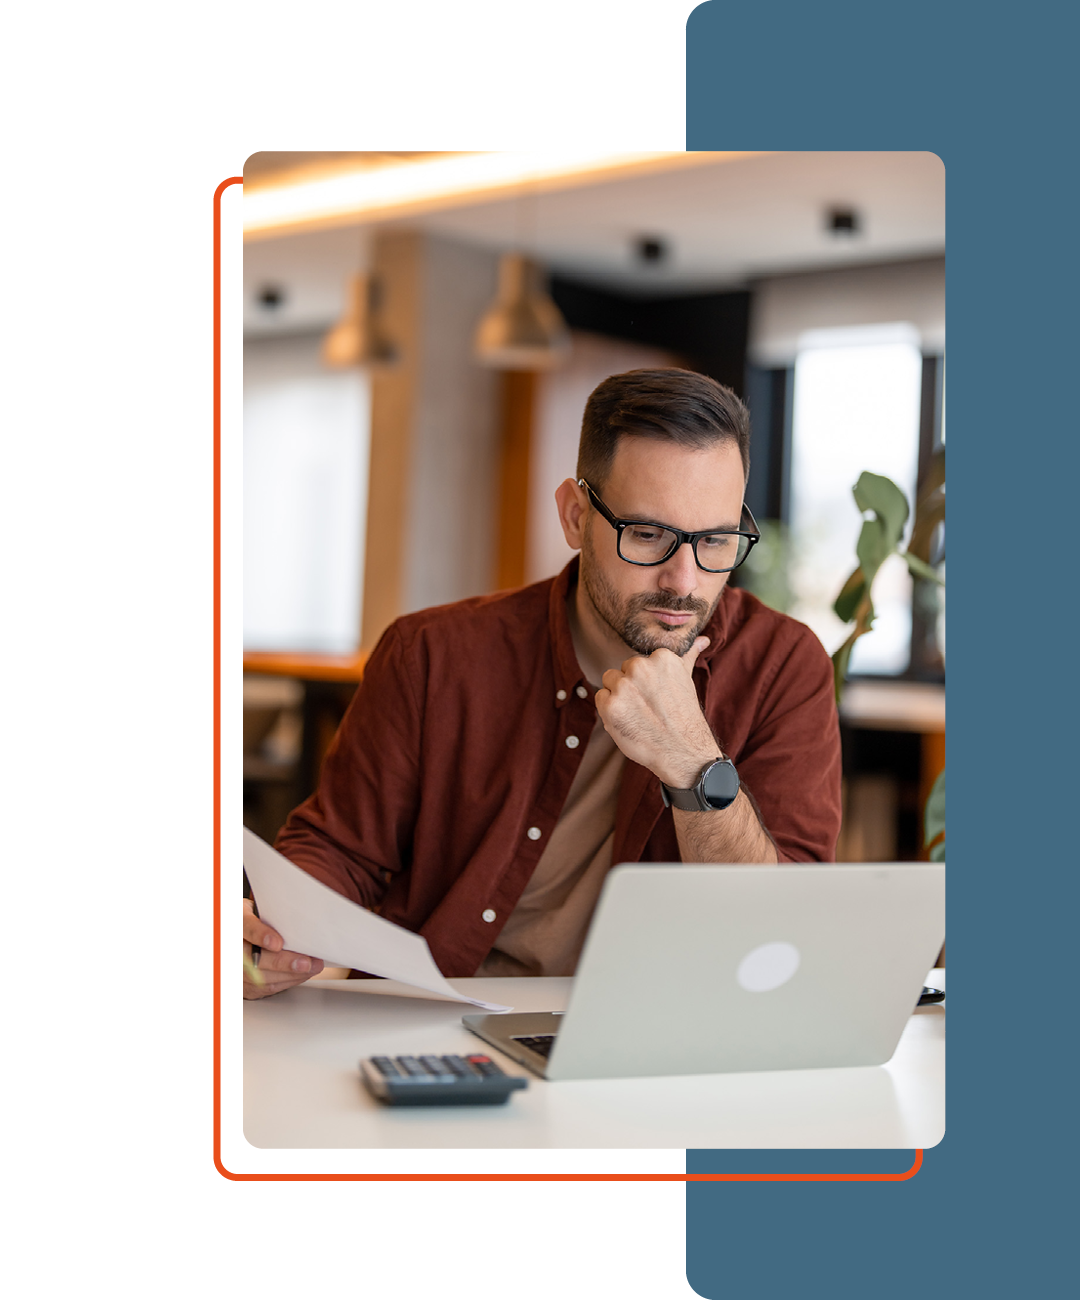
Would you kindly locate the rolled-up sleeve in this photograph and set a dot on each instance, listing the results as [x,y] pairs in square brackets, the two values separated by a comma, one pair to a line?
[791,760]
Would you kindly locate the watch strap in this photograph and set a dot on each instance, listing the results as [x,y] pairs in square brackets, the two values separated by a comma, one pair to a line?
[688,800]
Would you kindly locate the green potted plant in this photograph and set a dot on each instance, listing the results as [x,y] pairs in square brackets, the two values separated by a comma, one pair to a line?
[880,499]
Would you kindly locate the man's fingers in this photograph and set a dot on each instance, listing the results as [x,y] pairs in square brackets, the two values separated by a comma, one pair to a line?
[277,968]
[267,988]
[266,980]
[274,981]
[258,932]
[288,963]
[690,658]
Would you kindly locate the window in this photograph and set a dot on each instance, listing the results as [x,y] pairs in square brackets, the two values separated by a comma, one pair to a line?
[306,440]
[856,407]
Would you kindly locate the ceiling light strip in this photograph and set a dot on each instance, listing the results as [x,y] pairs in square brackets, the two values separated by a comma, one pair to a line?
[383,192]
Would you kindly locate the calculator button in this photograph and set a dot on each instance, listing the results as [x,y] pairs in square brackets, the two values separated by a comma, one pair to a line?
[434,1065]
[386,1067]
[457,1067]
[485,1066]
[411,1066]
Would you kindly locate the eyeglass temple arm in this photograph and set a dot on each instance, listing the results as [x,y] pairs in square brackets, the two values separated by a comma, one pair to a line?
[607,514]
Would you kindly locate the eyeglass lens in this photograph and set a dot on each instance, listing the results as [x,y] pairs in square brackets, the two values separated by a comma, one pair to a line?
[646,544]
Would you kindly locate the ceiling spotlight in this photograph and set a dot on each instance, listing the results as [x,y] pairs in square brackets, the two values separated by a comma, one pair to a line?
[651,250]
[270,297]
[357,339]
[522,329]
[842,221]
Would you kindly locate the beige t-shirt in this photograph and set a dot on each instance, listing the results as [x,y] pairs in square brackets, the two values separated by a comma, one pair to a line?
[546,930]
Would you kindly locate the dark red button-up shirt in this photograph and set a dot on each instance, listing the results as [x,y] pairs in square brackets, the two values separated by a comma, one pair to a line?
[455,746]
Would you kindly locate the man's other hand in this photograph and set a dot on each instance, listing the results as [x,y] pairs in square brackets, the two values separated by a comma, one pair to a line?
[650,709]
[277,969]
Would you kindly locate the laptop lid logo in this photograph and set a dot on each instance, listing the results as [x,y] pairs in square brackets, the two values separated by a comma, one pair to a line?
[767,967]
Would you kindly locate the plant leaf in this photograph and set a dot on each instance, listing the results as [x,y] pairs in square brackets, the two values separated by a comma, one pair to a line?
[851,593]
[880,494]
[937,853]
[839,665]
[934,818]
[920,569]
[872,548]
[878,539]
[864,623]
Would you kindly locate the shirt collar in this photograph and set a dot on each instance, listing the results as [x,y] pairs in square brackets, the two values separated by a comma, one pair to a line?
[568,674]
[716,629]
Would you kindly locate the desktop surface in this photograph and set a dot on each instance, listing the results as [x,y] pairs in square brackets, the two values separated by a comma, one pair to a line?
[302,1084]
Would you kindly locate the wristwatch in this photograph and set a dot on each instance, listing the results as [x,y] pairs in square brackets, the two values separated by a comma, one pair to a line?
[716,788]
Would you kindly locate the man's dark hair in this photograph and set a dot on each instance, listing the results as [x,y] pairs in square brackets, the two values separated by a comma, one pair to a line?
[673,405]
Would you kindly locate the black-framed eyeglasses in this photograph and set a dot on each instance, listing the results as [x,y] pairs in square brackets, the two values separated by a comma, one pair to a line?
[716,550]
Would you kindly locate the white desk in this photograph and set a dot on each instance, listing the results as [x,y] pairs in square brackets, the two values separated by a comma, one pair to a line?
[302,1087]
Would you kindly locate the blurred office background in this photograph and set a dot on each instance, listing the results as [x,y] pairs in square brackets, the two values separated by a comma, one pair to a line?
[398,456]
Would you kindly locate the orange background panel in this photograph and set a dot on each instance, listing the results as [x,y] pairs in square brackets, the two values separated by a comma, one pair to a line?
[105,540]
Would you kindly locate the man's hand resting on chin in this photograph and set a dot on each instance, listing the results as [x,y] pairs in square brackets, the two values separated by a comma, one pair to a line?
[650,709]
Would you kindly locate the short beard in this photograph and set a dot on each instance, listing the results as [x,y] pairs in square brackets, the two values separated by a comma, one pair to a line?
[627,618]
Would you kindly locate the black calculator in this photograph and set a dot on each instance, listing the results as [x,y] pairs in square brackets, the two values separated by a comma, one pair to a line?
[438,1080]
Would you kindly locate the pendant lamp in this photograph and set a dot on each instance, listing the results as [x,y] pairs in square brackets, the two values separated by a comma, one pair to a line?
[523,329]
[357,340]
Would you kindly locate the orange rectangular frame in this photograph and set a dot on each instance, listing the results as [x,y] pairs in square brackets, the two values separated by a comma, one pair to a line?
[228,362]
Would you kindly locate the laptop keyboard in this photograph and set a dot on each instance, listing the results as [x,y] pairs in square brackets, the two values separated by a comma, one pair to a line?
[538,1042]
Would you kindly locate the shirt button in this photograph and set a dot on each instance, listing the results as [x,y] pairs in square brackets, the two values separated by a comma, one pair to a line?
[487,914]
[533,832]
[582,692]
[560,695]
[572,742]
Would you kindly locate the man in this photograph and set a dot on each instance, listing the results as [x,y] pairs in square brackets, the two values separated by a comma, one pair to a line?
[502,753]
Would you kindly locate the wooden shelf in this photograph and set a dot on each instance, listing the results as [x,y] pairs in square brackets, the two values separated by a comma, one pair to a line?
[308,667]
[894,706]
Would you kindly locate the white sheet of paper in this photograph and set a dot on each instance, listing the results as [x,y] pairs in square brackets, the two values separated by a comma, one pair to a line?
[314,919]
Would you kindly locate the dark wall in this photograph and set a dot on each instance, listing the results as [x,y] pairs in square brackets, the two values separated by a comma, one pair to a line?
[768,395]
[708,330]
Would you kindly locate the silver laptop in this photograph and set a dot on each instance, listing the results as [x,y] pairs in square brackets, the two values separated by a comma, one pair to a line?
[710,969]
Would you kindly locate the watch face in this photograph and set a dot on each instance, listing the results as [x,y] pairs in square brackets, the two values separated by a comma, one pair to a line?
[721,784]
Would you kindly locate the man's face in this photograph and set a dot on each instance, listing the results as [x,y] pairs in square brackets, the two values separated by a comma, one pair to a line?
[668,604]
